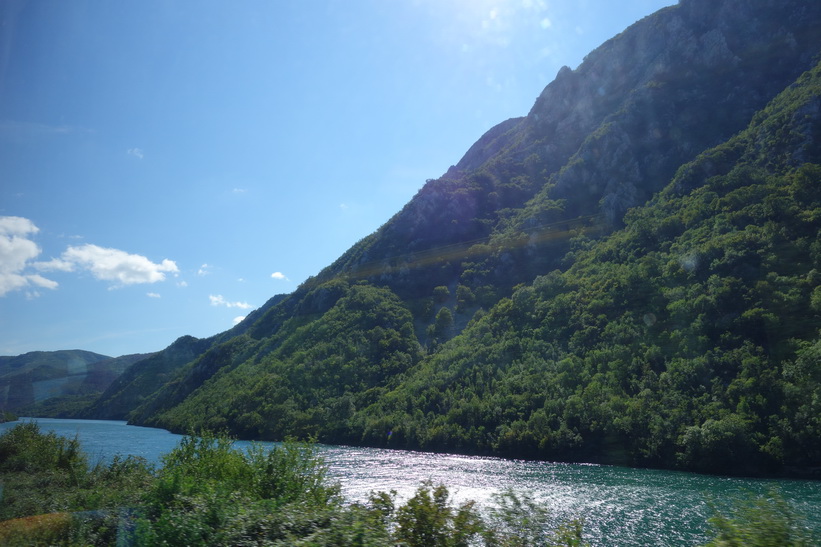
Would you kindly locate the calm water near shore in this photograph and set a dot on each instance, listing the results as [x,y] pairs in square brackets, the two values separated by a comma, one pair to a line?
[620,506]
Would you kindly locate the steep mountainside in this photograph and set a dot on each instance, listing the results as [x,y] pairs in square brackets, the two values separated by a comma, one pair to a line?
[149,375]
[518,305]
[599,140]
[689,338]
[143,378]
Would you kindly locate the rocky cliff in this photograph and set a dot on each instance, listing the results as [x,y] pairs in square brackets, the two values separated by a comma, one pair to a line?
[598,280]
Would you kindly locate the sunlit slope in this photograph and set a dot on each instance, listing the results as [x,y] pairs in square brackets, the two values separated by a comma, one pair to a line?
[688,338]
[599,140]
[312,377]
[143,378]
[525,249]
[143,381]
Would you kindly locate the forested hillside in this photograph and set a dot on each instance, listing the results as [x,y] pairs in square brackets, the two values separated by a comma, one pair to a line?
[689,338]
[73,377]
[628,274]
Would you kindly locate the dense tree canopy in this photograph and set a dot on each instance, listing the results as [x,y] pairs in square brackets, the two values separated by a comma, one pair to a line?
[628,277]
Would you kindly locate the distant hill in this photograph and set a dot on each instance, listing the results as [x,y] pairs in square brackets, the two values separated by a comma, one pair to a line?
[151,375]
[628,275]
[36,377]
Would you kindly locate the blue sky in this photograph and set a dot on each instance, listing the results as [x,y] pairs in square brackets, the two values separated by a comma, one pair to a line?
[166,167]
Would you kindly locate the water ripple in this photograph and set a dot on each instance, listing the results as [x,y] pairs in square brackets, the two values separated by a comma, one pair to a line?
[620,506]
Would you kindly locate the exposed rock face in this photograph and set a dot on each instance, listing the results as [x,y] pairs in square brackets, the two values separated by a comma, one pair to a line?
[669,87]
[599,140]
[488,145]
[604,137]
[810,137]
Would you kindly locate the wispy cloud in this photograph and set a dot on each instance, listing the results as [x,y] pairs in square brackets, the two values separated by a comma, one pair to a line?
[280,276]
[17,249]
[55,265]
[218,300]
[239,319]
[108,264]
[153,295]
[40,281]
[240,190]
[136,152]
[27,131]
[204,270]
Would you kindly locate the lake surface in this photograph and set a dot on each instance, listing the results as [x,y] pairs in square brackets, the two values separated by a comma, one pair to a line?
[620,506]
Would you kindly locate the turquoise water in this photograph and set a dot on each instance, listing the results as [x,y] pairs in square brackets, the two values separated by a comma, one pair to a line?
[620,506]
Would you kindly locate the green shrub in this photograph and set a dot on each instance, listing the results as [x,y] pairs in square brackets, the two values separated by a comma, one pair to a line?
[517,520]
[761,522]
[210,493]
[25,448]
[50,492]
[428,519]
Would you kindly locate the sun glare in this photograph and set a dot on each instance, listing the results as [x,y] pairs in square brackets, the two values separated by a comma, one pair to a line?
[478,23]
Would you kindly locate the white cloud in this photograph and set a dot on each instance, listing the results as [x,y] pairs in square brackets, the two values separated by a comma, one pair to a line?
[239,190]
[40,281]
[182,284]
[343,206]
[153,295]
[16,250]
[203,269]
[546,23]
[108,264]
[280,276]
[218,300]
[17,226]
[11,281]
[136,152]
[239,319]
[55,264]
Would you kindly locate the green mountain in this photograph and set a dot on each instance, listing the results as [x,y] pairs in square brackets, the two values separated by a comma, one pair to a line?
[40,377]
[628,274]
[152,373]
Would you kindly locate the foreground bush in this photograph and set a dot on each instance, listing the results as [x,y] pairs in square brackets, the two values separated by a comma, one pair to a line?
[209,493]
[760,522]
[45,473]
